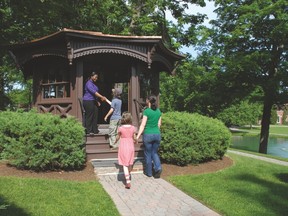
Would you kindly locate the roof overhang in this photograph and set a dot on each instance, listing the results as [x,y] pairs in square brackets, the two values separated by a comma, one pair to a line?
[71,44]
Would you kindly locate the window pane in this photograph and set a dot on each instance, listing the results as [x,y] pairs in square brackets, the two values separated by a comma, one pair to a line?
[52,91]
[46,92]
[60,91]
[67,90]
[56,81]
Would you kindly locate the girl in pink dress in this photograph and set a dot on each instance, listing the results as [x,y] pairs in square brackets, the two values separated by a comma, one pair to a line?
[127,136]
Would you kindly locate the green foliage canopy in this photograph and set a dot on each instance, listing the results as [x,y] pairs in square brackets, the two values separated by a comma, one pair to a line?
[25,20]
[252,37]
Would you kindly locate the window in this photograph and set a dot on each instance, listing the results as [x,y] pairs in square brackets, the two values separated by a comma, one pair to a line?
[55,84]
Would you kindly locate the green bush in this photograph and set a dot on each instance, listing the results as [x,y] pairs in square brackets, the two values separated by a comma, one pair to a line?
[243,113]
[35,141]
[192,138]
[273,117]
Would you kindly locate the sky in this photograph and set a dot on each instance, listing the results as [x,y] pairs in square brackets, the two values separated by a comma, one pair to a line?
[194,9]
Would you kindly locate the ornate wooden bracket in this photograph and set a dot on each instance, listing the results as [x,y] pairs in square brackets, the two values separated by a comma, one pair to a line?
[69,52]
[150,53]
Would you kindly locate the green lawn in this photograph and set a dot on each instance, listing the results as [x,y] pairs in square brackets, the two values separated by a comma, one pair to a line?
[27,196]
[249,187]
[274,130]
[277,129]
[260,154]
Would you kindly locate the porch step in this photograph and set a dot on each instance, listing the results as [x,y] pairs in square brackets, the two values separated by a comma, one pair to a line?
[92,154]
[110,166]
[97,146]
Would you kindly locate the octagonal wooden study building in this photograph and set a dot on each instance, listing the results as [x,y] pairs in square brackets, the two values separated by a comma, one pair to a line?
[61,63]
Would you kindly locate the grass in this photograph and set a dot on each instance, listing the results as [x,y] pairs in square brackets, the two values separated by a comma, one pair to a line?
[249,187]
[274,130]
[277,129]
[29,196]
[260,154]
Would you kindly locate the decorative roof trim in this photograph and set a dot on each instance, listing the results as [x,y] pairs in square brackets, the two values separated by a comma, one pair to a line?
[66,38]
[104,49]
[38,54]
[157,57]
[170,52]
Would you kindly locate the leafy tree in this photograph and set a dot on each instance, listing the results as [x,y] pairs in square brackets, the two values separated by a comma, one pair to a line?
[21,97]
[241,114]
[201,87]
[273,118]
[251,37]
[24,20]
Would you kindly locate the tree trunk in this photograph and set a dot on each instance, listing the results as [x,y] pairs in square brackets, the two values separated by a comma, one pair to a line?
[136,14]
[2,93]
[265,124]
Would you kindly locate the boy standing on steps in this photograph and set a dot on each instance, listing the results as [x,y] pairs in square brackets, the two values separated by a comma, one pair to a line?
[115,110]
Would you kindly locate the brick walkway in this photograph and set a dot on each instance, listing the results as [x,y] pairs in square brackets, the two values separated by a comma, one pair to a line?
[155,197]
[149,196]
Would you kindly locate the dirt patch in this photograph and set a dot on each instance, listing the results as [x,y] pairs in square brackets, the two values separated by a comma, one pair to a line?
[87,174]
[208,167]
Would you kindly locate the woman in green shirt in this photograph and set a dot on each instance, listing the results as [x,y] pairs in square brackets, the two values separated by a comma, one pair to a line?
[150,127]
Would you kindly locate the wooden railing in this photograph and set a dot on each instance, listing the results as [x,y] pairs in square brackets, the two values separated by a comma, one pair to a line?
[139,110]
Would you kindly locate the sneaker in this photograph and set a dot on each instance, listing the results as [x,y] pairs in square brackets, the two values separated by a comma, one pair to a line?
[127,186]
[158,173]
[90,134]
[146,174]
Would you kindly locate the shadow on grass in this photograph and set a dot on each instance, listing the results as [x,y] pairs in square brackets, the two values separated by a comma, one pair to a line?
[10,209]
[283,177]
[273,196]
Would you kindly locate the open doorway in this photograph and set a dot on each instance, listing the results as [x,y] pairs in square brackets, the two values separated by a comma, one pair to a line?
[113,71]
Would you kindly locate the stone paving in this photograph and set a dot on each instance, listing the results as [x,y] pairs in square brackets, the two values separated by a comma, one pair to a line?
[154,197]
[149,196]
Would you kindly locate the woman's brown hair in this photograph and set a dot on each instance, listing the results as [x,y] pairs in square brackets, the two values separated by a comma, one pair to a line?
[153,101]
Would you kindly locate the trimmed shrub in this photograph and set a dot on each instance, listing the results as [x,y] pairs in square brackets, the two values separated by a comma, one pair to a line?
[35,141]
[192,138]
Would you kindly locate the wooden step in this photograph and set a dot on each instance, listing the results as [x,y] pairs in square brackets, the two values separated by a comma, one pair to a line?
[102,143]
[107,153]
[97,146]
[99,137]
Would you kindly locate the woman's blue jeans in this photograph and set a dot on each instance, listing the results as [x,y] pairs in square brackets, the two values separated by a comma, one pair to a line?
[151,143]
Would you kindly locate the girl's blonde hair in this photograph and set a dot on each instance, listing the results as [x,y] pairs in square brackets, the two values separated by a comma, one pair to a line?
[126,118]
